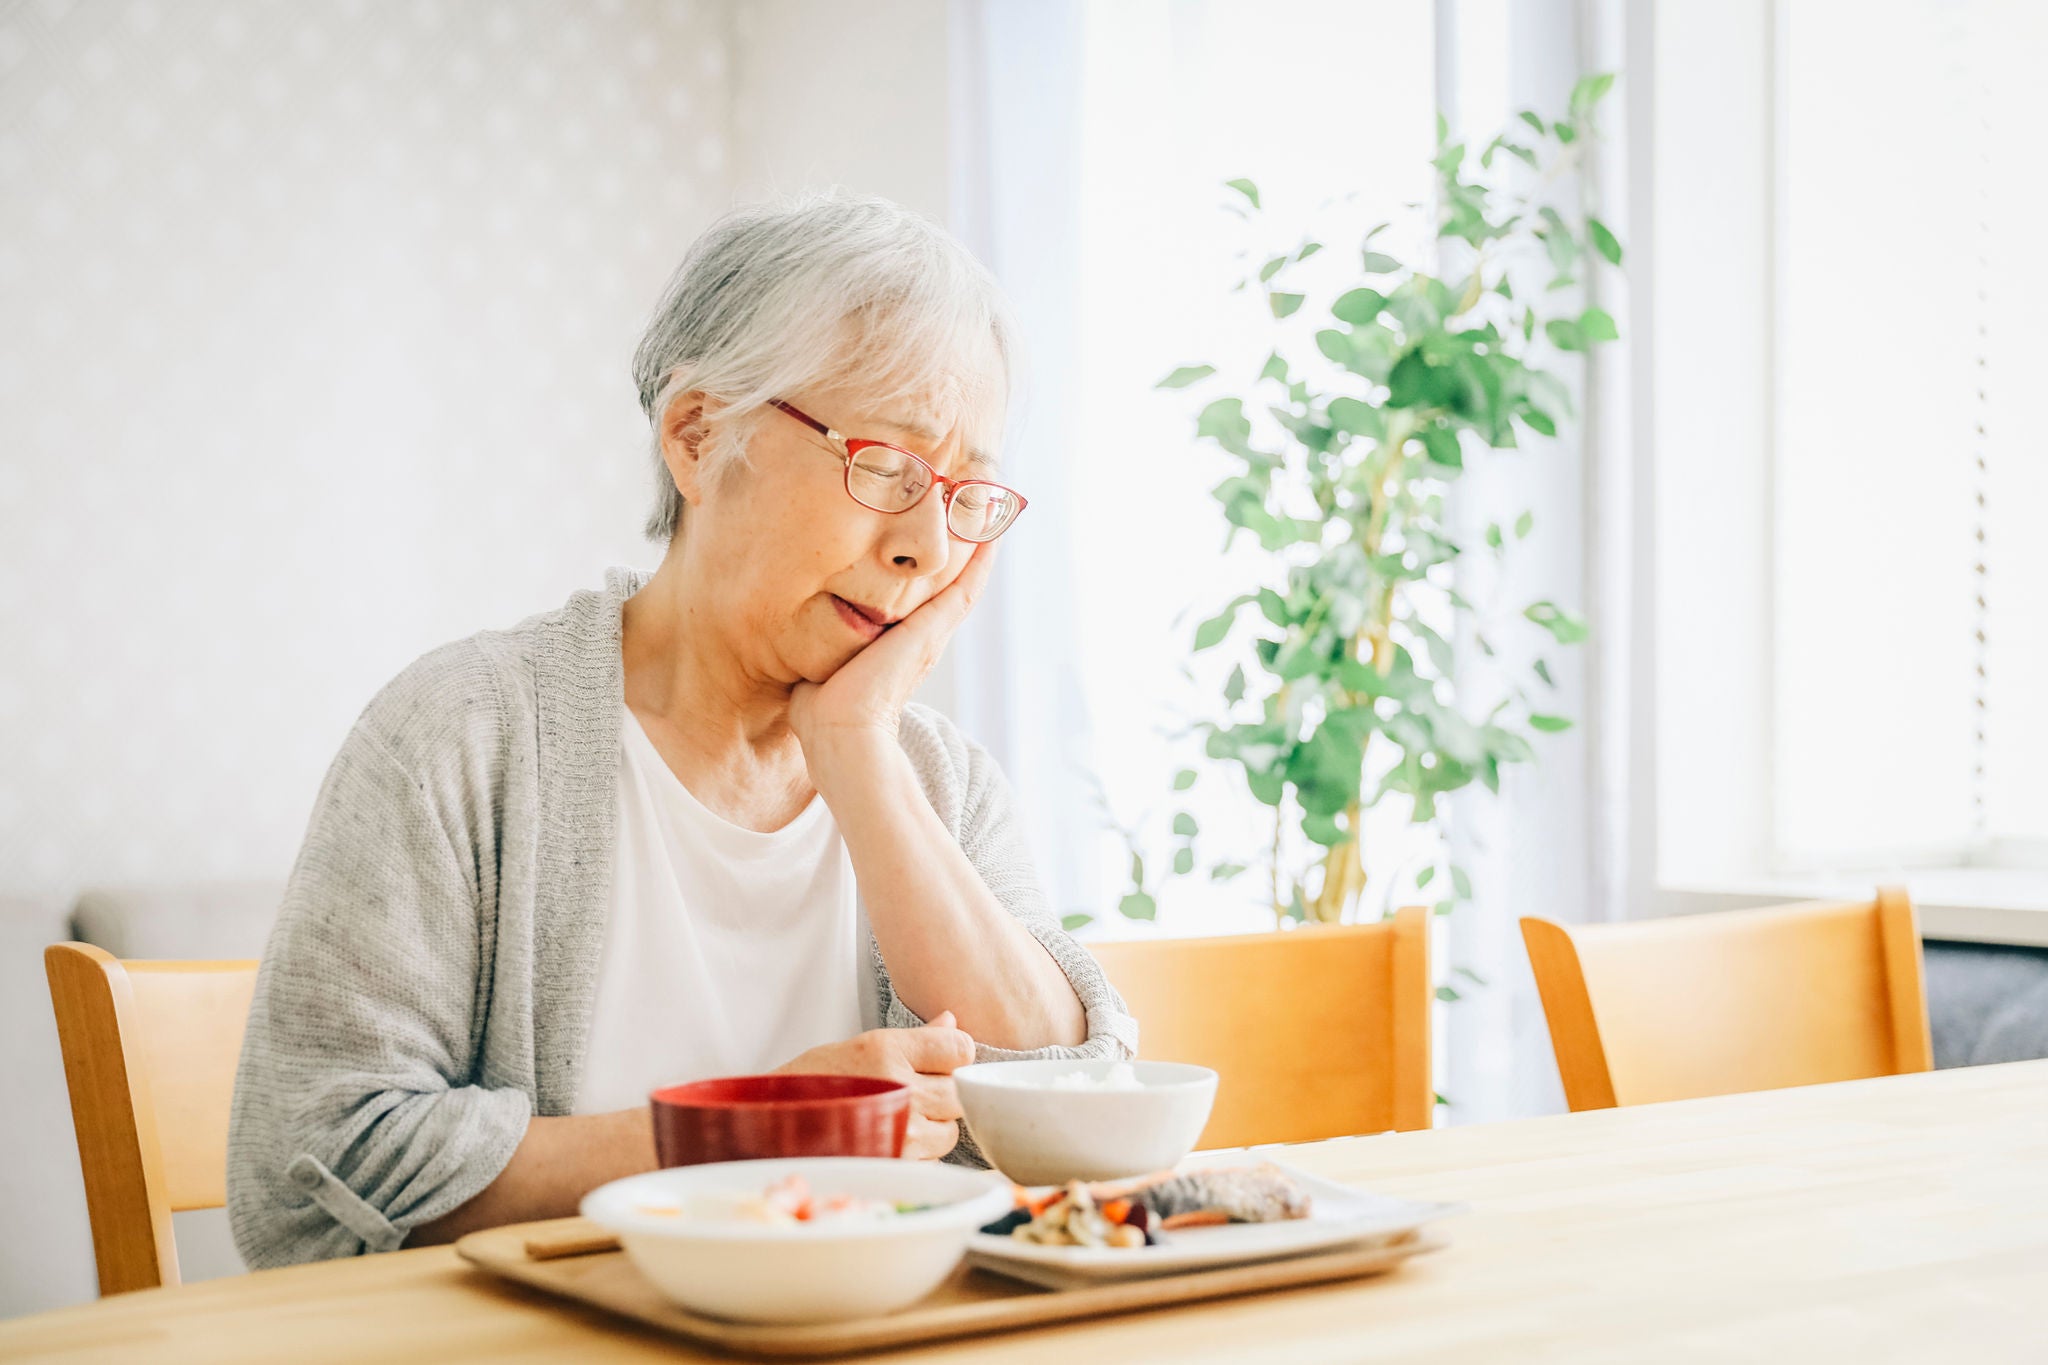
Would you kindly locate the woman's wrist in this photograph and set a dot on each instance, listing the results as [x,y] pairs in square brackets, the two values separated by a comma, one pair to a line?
[842,755]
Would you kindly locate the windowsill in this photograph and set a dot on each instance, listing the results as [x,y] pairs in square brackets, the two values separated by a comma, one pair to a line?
[1965,904]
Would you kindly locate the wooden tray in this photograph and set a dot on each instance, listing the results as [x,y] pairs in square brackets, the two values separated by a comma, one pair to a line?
[972,1302]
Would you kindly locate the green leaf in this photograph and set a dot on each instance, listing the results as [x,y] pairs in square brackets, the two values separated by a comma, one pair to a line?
[1565,132]
[1211,632]
[1604,241]
[1447,993]
[1137,905]
[1183,862]
[1308,249]
[1548,724]
[1442,445]
[1542,670]
[1470,975]
[1595,324]
[1184,779]
[1425,877]
[1184,825]
[1565,334]
[1539,421]
[1360,419]
[1224,422]
[1276,368]
[1322,829]
[1367,351]
[1379,263]
[1443,907]
[1186,375]
[1359,306]
[1533,121]
[1271,268]
[1245,188]
[1137,868]
[1285,305]
[1223,872]
[1567,628]
[1072,922]
[1524,524]
[1274,607]
[1493,534]
[1589,91]
[1233,687]
[1461,883]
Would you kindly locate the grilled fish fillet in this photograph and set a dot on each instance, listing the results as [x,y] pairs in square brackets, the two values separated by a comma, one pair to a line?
[1237,1194]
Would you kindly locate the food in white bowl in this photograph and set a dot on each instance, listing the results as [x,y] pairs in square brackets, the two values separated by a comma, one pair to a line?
[799,1240]
[1049,1122]
[1120,1076]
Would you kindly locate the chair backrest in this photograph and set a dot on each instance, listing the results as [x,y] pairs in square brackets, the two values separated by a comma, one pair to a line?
[150,1050]
[1315,1033]
[1716,1003]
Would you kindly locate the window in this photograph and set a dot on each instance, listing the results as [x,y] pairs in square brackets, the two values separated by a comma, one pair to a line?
[1909,650]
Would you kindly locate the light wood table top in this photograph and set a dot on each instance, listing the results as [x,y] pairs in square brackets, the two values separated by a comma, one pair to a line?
[1904,1218]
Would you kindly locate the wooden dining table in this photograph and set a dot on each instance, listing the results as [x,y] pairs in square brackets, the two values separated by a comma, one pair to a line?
[1904,1218]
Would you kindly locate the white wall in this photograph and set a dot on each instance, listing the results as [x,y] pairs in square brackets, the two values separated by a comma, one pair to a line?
[315,334]
[317,355]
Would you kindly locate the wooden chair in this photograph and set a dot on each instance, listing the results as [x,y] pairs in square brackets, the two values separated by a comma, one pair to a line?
[150,1050]
[1315,1033]
[1712,1004]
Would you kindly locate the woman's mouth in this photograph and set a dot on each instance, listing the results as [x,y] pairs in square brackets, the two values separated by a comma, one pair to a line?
[857,620]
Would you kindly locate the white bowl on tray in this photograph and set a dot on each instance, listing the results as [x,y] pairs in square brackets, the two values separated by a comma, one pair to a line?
[1036,1124]
[829,1270]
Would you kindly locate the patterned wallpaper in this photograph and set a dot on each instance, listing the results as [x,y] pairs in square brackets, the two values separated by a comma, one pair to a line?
[315,321]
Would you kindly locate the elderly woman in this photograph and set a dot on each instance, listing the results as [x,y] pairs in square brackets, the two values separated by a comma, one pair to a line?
[689,825]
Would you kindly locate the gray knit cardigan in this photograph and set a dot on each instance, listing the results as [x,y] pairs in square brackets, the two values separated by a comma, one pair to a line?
[427,987]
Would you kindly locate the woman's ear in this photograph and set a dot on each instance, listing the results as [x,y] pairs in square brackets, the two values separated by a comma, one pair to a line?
[685,426]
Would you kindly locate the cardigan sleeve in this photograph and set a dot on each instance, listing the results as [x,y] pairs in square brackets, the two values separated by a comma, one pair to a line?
[357,1112]
[992,837]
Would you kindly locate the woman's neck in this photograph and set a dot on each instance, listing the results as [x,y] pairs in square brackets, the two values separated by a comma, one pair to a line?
[723,731]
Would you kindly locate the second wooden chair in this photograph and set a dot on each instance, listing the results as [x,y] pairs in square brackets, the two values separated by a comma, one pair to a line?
[1712,1004]
[1315,1033]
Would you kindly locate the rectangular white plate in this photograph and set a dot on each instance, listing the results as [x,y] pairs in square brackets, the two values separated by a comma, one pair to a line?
[1339,1216]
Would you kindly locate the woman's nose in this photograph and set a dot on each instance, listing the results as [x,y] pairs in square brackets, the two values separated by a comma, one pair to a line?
[920,542]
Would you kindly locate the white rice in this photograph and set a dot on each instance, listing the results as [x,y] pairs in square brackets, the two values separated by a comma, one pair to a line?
[1121,1076]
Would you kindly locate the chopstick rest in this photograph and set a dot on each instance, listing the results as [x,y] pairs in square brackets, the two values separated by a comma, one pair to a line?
[571,1237]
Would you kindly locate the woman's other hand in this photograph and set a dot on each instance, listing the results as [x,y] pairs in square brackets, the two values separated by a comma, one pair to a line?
[922,1058]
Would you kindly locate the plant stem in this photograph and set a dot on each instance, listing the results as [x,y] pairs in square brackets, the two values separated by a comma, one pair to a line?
[1344,875]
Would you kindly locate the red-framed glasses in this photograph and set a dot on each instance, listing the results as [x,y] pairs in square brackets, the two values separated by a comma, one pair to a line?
[886,478]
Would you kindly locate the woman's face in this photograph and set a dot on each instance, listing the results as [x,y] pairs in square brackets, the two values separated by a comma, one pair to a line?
[796,575]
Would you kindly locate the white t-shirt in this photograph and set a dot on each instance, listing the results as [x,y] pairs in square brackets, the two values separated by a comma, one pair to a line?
[727,951]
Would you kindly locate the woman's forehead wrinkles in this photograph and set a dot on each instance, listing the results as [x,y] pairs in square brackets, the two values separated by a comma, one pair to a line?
[924,433]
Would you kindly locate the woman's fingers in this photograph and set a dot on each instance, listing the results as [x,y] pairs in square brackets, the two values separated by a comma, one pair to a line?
[925,1140]
[936,1097]
[936,1049]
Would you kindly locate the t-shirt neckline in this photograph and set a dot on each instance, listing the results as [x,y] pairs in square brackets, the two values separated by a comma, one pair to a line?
[800,826]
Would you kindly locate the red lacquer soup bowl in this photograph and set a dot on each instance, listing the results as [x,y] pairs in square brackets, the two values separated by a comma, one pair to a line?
[748,1118]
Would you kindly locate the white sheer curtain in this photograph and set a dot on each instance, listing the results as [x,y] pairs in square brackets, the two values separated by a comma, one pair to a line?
[1100,141]
[1095,142]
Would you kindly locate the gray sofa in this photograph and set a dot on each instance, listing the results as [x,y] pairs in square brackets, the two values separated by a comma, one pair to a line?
[1986,1004]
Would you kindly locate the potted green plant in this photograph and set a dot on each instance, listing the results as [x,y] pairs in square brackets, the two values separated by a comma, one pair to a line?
[1345,693]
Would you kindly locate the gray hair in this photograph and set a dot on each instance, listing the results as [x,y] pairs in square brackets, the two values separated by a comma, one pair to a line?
[831,289]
